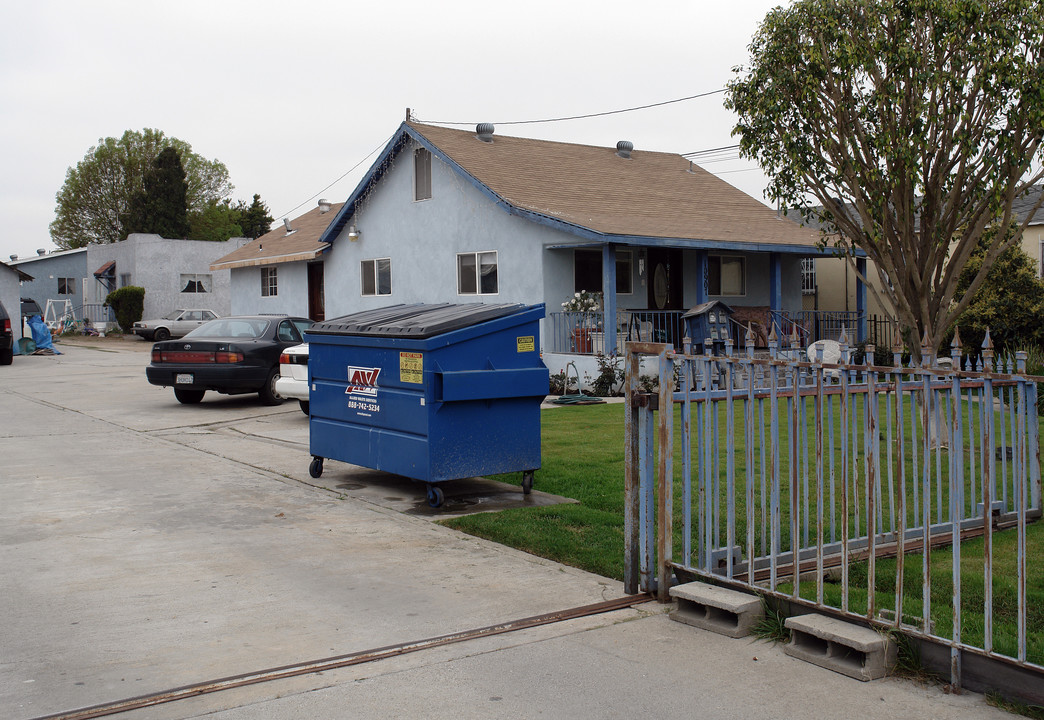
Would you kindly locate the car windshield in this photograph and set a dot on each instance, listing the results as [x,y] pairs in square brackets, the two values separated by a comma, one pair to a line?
[231,328]
[172,316]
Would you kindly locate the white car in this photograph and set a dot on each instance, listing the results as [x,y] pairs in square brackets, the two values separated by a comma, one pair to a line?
[293,375]
[174,325]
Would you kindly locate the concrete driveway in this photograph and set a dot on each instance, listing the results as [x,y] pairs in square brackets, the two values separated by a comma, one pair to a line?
[146,545]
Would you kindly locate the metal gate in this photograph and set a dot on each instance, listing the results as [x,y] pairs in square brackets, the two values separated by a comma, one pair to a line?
[842,488]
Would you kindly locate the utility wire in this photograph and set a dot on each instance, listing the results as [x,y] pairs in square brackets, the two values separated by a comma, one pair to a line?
[347,172]
[581,117]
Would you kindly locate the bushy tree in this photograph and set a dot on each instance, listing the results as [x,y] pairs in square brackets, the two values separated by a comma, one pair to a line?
[914,124]
[93,203]
[217,222]
[254,218]
[1010,302]
[128,303]
[160,206]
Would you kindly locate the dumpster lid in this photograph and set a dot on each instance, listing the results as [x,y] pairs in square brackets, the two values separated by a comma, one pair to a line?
[419,320]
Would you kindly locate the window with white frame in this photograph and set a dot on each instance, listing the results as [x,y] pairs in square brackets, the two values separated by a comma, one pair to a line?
[421,174]
[269,282]
[726,275]
[477,273]
[808,276]
[66,286]
[196,283]
[376,276]
[125,279]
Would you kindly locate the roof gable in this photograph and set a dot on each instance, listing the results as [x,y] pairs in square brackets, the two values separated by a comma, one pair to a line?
[594,193]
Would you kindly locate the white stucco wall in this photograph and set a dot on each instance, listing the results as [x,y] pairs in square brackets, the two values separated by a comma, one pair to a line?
[291,288]
[9,297]
[157,264]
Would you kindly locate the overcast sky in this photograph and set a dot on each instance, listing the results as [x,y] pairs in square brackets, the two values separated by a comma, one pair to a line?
[290,96]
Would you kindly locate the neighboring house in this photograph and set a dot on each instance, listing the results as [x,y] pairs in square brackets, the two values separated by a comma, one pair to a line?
[458,216]
[281,271]
[1033,236]
[175,274]
[57,276]
[10,294]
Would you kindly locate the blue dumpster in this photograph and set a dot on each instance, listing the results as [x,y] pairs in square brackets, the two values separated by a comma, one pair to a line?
[432,392]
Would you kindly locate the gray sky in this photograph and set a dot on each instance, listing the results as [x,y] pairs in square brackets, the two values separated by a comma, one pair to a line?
[290,96]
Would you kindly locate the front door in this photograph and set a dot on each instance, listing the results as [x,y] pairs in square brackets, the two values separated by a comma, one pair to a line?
[665,279]
[316,298]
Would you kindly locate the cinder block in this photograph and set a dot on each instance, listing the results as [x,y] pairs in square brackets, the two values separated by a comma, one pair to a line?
[851,650]
[720,610]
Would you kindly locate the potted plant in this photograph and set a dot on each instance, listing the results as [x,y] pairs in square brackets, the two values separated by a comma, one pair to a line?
[584,304]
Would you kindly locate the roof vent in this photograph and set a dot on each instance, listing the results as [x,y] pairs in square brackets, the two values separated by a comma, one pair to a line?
[484,132]
[41,251]
[324,206]
[289,230]
[14,257]
[624,148]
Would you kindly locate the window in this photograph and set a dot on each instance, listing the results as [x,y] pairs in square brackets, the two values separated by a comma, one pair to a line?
[726,275]
[376,276]
[66,286]
[125,279]
[196,283]
[808,276]
[269,282]
[587,271]
[421,174]
[477,273]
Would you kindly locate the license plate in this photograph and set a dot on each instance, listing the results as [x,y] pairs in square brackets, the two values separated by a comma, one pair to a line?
[183,379]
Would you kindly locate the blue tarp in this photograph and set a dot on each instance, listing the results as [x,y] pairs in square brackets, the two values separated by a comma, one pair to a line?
[41,335]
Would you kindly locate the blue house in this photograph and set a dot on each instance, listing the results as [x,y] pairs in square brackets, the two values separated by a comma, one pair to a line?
[447,215]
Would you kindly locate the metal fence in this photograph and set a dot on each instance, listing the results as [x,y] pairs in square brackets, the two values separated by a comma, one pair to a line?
[899,496]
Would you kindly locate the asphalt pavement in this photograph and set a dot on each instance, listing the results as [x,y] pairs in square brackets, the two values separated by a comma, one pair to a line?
[147,545]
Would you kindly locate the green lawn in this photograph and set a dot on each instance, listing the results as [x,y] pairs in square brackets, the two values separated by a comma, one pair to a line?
[583,459]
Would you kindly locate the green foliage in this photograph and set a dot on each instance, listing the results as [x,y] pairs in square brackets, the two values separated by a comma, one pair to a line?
[217,222]
[159,207]
[93,203]
[609,381]
[128,303]
[1010,303]
[772,626]
[913,125]
[253,218]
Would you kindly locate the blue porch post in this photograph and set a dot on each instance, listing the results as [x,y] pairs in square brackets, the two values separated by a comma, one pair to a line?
[861,300]
[701,278]
[609,297]
[775,290]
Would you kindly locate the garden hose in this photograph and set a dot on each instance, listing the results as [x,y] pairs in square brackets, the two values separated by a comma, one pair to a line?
[578,398]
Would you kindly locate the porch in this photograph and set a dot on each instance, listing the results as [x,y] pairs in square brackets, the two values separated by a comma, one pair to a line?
[584,333]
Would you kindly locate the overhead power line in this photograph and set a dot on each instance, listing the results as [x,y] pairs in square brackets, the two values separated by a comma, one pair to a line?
[582,117]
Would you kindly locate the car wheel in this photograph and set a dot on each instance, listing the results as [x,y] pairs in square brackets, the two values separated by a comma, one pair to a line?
[188,397]
[161,334]
[6,357]
[268,393]
[304,406]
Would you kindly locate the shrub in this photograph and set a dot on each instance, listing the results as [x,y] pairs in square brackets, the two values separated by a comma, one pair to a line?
[609,382]
[128,303]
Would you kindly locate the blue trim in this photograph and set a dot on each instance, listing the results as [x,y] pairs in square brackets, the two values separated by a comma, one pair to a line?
[609,299]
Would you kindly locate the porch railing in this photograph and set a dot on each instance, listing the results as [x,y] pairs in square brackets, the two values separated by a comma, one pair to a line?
[830,486]
[583,333]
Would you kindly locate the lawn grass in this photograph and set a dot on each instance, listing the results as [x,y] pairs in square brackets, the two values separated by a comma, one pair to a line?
[583,459]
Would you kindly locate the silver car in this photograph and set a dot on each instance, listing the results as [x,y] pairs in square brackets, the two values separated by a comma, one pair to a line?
[174,325]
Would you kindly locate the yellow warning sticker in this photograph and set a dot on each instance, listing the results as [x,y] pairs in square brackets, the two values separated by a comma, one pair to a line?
[526,343]
[411,367]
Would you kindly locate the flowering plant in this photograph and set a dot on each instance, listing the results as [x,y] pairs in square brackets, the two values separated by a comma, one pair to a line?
[583,301]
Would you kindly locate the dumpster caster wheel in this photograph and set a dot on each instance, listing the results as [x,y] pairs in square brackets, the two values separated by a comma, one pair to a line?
[315,468]
[435,496]
[527,482]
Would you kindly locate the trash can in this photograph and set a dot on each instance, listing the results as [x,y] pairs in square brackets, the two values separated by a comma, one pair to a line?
[432,392]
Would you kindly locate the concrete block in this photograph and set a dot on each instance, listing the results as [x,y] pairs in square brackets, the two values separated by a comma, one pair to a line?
[851,650]
[720,610]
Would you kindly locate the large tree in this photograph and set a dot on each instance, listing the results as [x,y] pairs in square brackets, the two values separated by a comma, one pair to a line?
[160,207]
[914,125]
[93,202]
